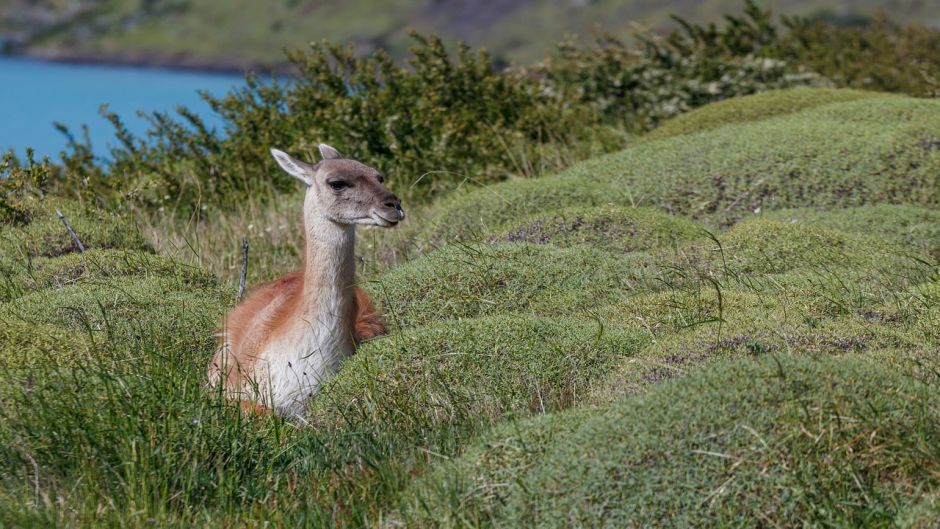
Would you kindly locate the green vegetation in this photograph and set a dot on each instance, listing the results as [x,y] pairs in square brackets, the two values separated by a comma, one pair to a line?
[782,276]
[778,439]
[753,108]
[915,228]
[452,378]
[462,281]
[609,227]
[734,319]
[847,154]
[517,123]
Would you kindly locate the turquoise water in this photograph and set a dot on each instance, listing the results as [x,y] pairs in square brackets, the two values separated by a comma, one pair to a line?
[35,94]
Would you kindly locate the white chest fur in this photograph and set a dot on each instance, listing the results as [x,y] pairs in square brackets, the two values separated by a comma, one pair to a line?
[293,366]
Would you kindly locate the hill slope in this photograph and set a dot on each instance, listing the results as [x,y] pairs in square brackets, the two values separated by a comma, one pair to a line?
[238,33]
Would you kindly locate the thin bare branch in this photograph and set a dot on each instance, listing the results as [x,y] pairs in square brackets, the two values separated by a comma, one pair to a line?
[81,247]
[244,276]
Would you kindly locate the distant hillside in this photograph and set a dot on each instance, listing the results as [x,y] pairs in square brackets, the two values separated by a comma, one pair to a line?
[240,33]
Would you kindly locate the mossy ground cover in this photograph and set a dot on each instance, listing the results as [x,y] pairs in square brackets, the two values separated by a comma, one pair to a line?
[734,324]
[779,439]
[470,280]
[609,227]
[754,108]
[831,156]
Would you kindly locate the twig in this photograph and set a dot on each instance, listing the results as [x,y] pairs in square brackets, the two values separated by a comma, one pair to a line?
[81,247]
[244,277]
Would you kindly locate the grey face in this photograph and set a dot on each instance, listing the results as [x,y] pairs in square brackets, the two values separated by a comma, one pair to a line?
[344,191]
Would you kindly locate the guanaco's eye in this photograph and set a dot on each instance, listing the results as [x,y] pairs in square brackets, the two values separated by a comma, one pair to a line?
[381,179]
[338,184]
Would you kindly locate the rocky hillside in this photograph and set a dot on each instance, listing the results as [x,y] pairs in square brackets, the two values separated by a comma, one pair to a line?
[242,33]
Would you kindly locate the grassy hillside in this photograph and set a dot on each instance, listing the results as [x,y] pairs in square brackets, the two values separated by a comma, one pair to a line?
[734,320]
[243,32]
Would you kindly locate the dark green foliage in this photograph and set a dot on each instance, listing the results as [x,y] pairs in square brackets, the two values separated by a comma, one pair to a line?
[429,127]
[638,86]
[462,281]
[829,442]
[877,55]
[19,182]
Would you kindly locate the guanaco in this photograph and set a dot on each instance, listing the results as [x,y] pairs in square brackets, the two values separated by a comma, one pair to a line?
[288,336]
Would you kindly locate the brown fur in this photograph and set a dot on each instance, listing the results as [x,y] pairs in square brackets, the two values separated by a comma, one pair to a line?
[245,334]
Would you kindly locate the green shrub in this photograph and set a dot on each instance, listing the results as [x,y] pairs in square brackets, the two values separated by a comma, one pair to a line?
[877,55]
[421,385]
[754,108]
[610,227]
[640,85]
[429,127]
[838,155]
[465,281]
[783,439]
[447,119]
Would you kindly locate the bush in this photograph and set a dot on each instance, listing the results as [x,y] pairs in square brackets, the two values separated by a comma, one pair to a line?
[838,155]
[829,442]
[609,227]
[466,281]
[754,108]
[458,376]
[877,55]
[640,86]
[430,127]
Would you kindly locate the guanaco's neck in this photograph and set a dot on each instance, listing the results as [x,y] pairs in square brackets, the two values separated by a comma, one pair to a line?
[330,272]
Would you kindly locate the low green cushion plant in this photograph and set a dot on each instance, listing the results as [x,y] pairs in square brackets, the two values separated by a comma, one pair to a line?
[43,234]
[461,281]
[128,310]
[96,266]
[763,246]
[837,442]
[754,107]
[609,227]
[915,228]
[426,383]
[838,155]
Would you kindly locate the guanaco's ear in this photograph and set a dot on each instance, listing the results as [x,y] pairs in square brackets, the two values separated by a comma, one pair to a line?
[329,153]
[300,170]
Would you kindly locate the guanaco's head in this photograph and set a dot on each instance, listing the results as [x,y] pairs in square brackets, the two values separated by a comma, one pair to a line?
[343,191]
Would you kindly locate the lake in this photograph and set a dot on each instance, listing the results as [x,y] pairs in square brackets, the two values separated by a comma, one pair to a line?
[34,94]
